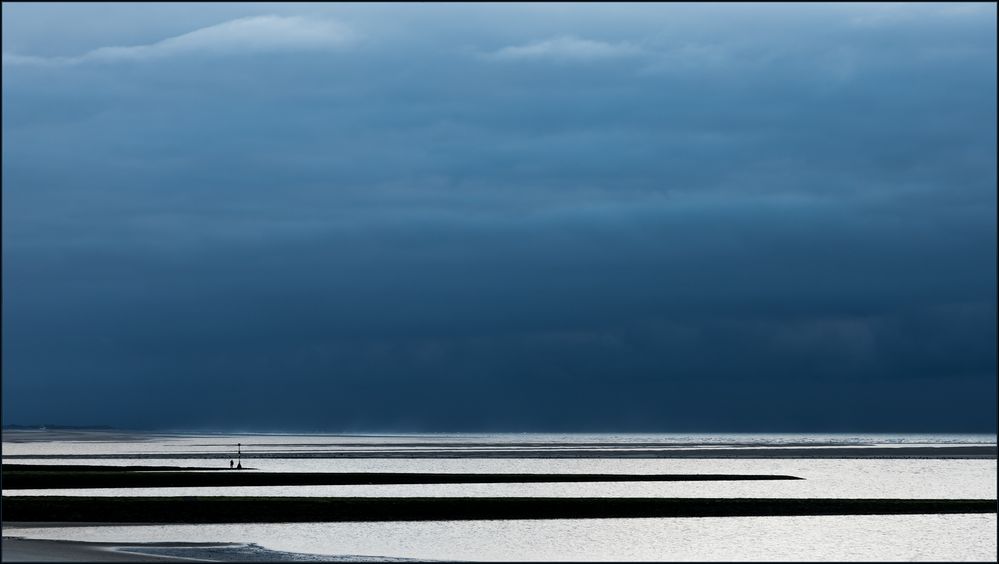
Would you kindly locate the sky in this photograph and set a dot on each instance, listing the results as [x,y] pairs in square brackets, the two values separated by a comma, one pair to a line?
[500,217]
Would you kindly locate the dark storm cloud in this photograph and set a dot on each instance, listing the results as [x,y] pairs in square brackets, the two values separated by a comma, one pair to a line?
[526,217]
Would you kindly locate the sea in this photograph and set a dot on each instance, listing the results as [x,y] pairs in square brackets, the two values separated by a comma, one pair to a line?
[831,466]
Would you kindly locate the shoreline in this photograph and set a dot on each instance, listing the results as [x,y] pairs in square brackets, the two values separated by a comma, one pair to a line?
[20,549]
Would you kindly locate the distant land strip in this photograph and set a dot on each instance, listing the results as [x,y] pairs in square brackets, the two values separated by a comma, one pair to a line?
[62,477]
[948,451]
[311,509]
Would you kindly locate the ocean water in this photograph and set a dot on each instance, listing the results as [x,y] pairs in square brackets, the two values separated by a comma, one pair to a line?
[311,452]
[834,466]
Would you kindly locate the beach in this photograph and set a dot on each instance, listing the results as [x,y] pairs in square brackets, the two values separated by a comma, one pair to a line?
[33,550]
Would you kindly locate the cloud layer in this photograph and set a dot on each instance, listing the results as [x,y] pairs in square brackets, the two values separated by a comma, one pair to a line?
[250,35]
[469,217]
[567,48]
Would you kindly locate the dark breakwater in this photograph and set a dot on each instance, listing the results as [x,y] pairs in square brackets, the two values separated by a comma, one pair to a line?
[64,477]
[305,509]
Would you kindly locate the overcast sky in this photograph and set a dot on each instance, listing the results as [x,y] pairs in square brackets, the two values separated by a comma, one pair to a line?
[594,217]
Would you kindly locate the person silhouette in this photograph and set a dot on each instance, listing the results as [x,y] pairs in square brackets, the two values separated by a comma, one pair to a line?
[230,465]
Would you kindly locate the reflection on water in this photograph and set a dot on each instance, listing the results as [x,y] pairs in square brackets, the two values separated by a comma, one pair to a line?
[898,537]
[878,538]
[129,447]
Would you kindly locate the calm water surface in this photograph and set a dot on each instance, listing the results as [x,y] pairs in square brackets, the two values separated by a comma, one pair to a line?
[312,452]
[873,473]
[837,538]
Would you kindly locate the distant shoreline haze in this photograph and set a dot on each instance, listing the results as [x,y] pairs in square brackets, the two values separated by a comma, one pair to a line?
[417,432]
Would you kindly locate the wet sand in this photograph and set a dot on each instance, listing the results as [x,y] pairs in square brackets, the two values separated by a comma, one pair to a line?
[16,549]
[28,550]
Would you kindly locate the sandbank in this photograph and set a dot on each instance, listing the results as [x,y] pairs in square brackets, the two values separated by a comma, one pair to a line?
[205,509]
